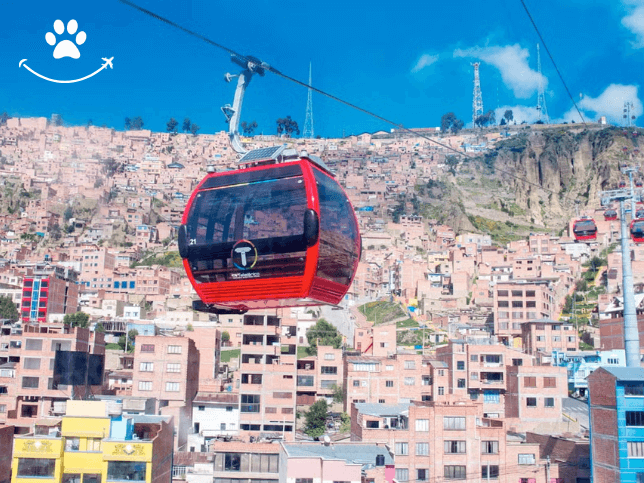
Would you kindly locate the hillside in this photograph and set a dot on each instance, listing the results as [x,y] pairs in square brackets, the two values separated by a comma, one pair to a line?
[530,181]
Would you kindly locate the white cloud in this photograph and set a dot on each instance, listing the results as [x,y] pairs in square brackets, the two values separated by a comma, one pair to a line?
[519,114]
[512,62]
[634,22]
[425,61]
[609,103]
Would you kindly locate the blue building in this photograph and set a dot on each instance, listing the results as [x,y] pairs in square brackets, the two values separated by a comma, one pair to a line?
[583,363]
[616,400]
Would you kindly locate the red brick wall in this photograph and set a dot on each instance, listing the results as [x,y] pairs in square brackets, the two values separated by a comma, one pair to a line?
[601,385]
[604,421]
[603,475]
[605,451]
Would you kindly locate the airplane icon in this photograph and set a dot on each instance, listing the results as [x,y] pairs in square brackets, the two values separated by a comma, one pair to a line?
[108,62]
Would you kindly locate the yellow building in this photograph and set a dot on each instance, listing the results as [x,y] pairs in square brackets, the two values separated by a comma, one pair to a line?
[96,444]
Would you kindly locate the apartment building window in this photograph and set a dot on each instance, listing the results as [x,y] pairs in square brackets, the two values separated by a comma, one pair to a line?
[531,402]
[556,338]
[174,349]
[328,370]
[147,347]
[635,449]
[145,385]
[328,384]
[3,408]
[283,395]
[146,366]
[549,382]
[427,381]
[527,459]
[305,380]
[517,362]
[31,363]
[474,358]
[441,372]
[502,293]
[30,382]
[36,467]
[72,444]
[303,480]
[410,381]
[502,303]
[250,403]
[402,474]
[402,448]
[33,344]
[389,383]
[422,475]
[530,293]
[410,364]
[364,367]
[490,472]
[173,367]
[452,423]
[460,365]
[633,389]
[422,425]
[453,447]
[329,357]
[461,383]
[634,418]
[489,447]
[381,401]
[454,472]
[172,386]
[389,368]
[425,397]
[517,304]
[356,383]
[422,449]
[201,408]
[517,293]
[441,391]
[529,382]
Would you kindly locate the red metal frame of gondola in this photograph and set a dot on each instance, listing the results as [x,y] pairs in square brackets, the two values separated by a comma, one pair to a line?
[633,237]
[592,236]
[289,291]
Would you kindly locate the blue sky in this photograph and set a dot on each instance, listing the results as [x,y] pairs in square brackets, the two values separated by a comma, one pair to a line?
[407,61]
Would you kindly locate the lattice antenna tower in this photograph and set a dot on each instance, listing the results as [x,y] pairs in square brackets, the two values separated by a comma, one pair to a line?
[308,122]
[541,98]
[477,103]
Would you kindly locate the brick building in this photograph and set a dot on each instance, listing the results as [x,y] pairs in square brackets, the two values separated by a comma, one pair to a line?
[27,387]
[546,336]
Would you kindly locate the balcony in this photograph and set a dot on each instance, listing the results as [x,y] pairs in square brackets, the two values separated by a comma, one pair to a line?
[259,348]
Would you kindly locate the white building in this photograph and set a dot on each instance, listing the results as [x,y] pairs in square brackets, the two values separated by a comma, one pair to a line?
[214,416]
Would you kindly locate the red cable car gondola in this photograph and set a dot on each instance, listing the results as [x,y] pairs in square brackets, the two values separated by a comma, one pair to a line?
[622,184]
[638,184]
[637,230]
[585,229]
[268,236]
[610,215]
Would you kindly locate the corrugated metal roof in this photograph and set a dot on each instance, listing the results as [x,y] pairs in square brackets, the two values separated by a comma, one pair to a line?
[216,397]
[626,373]
[355,453]
[382,410]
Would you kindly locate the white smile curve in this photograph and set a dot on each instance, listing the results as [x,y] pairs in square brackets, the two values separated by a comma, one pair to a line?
[21,64]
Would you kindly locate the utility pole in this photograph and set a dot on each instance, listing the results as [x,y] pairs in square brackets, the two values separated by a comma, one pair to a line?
[548,468]
[631,332]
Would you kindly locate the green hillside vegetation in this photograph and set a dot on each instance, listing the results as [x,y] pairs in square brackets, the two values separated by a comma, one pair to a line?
[382,312]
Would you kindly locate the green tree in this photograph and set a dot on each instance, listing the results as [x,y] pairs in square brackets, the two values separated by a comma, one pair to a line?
[346,423]
[486,119]
[128,123]
[508,115]
[99,327]
[79,319]
[338,394]
[186,125]
[452,162]
[287,126]
[171,126]
[449,122]
[322,333]
[248,127]
[194,128]
[8,309]
[4,117]
[131,336]
[225,336]
[315,425]
[90,123]
[69,213]
[136,124]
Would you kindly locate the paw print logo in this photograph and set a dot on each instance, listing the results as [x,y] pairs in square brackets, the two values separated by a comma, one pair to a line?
[66,48]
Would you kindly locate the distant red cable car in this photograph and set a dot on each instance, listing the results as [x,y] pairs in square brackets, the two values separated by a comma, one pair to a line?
[268,236]
[584,229]
[637,230]
[622,184]
[610,215]
[638,184]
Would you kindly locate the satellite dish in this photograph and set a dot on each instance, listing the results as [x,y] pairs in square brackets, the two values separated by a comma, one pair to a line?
[327,440]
